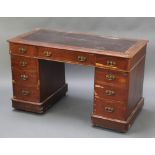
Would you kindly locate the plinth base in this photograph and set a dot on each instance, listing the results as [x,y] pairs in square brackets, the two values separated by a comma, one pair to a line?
[42,106]
[117,125]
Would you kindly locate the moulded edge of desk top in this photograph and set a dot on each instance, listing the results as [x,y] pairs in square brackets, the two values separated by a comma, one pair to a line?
[127,54]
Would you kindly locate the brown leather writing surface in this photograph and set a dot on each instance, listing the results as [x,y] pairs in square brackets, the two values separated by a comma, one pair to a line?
[81,40]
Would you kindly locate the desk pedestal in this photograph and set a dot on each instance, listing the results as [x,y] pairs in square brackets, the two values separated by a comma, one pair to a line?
[38,84]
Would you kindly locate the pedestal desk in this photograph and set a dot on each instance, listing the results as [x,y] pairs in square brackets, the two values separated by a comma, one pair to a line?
[38,73]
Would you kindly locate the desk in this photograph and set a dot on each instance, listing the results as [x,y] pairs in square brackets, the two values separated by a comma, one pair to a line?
[38,73]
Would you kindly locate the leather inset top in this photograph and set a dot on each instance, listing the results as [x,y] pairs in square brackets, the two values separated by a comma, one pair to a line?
[81,40]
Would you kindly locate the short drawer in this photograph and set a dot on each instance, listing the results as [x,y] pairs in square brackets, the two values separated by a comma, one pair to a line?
[21,49]
[111,77]
[109,109]
[112,62]
[22,63]
[111,92]
[24,78]
[26,93]
[66,56]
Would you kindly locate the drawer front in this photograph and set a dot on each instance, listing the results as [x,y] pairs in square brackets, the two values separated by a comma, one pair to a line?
[111,77]
[111,92]
[112,62]
[24,78]
[66,56]
[21,49]
[26,93]
[114,110]
[47,53]
[22,63]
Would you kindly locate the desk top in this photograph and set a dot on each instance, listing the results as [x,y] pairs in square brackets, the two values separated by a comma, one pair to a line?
[80,42]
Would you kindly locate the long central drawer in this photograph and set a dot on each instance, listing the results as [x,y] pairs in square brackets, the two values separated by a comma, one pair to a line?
[66,56]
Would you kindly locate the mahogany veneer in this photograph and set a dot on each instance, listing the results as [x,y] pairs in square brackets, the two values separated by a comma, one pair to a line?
[38,73]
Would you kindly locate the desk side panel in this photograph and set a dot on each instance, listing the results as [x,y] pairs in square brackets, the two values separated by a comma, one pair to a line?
[136,77]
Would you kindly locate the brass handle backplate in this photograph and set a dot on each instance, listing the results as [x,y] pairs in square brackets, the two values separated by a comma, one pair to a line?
[23,63]
[24,77]
[110,92]
[111,63]
[25,92]
[47,53]
[110,77]
[109,109]
[22,50]
[81,58]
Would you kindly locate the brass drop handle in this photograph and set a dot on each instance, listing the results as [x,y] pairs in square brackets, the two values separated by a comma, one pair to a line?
[81,58]
[47,53]
[22,50]
[110,77]
[109,109]
[111,63]
[110,92]
[23,63]
[25,92]
[24,77]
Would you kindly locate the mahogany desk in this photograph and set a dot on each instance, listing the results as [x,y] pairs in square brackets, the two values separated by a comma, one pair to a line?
[38,73]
